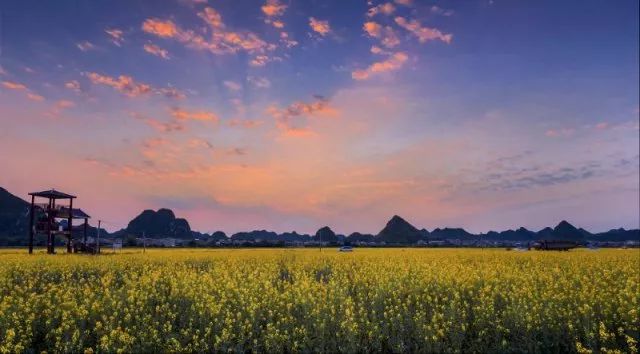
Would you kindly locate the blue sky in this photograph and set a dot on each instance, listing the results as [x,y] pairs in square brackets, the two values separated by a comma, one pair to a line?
[297,114]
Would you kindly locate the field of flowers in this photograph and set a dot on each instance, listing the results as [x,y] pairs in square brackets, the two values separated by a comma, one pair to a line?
[301,300]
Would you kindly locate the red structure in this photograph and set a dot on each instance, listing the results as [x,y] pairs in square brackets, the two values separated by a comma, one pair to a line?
[51,217]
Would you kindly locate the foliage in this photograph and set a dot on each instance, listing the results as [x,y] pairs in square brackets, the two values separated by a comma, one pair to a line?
[374,300]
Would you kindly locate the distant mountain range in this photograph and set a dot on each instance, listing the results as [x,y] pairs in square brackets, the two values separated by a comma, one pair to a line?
[14,224]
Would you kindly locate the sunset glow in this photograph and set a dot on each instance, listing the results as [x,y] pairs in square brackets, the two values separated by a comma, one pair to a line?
[291,115]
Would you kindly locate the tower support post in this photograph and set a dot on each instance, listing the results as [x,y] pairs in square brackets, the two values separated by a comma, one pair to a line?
[70,225]
[31,216]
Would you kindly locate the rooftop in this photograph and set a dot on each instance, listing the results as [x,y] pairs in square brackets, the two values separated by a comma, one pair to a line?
[52,194]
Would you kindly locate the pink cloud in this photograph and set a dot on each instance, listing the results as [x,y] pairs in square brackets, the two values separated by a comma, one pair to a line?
[168,127]
[404,2]
[384,9]
[286,117]
[211,17]
[163,127]
[287,41]
[14,85]
[63,104]
[232,85]
[85,46]
[184,115]
[423,34]
[129,87]
[554,133]
[116,36]
[221,40]
[244,123]
[386,34]
[124,84]
[319,26]
[395,62]
[155,50]
[273,8]
[73,85]
[440,11]
[262,60]
[35,97]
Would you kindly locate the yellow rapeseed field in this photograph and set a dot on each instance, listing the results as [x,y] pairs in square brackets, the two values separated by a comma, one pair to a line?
[301,300]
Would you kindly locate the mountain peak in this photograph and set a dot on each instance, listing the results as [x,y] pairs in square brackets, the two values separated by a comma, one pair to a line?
[161,223]
[564,224]
[326,234]
[398,230]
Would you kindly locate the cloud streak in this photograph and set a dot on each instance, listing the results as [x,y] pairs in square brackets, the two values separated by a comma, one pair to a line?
[157,51]
[393,63]
[287,119]
[424,34]
[126,85]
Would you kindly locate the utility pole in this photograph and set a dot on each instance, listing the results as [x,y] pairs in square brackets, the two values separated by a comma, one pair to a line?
[98,238]
[144,242]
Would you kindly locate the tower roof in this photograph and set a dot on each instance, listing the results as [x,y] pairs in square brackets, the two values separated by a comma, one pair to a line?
[52,194]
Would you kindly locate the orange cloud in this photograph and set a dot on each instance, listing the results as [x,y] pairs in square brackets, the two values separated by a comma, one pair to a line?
[165,127]
[273,8]
[384,9]
[154,142]
[160,28]
[62,104]
[155,50]
[129,87]
[183,115]
[319,26]
[211,17]
[35,97]
[124,84]
[395,62]
[196,143]
[59,106]
[296,132]
[13,85]
[220,41]
[423,34]
[285,117]
[387,35]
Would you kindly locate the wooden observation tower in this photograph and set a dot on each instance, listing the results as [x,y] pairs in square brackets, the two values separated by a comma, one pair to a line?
[52,218]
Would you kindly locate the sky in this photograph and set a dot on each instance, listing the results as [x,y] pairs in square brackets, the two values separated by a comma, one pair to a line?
[291,115]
